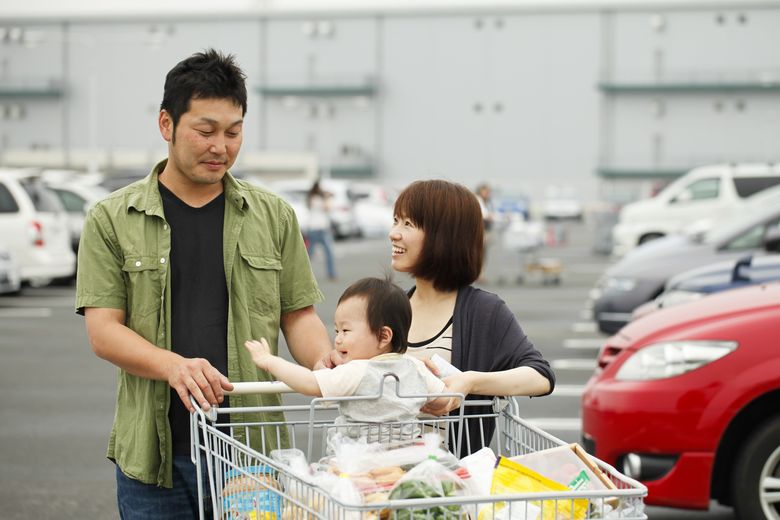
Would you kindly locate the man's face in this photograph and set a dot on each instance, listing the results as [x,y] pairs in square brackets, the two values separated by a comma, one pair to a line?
[207,140]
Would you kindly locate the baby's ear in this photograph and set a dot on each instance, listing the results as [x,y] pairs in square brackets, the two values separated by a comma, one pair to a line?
[385,337]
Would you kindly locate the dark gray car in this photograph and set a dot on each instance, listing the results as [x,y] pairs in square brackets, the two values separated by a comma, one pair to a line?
[641,275]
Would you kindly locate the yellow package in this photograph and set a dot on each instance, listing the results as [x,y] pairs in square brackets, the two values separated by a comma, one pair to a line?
[512,477]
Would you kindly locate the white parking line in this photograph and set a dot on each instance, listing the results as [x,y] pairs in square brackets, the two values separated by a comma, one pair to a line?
[573,364]
[557,423]
[586,314]
[584,326]
[25,312]
[584,343]
[568,391]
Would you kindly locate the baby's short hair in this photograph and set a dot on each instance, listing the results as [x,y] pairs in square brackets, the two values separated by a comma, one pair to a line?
[387,305]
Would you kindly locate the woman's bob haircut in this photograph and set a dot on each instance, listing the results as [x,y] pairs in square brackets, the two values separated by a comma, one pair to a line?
[454,246]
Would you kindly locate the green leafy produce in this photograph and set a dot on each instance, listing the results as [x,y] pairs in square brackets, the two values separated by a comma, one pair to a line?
[411,489]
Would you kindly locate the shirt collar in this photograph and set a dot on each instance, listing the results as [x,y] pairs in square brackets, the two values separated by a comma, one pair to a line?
[148,199]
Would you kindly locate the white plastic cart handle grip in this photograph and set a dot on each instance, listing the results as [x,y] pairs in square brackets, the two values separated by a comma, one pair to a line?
[260,387]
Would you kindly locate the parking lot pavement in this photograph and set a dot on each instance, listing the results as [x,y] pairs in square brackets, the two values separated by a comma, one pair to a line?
[58,397]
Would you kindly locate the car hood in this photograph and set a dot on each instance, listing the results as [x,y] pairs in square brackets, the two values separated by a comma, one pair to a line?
[714,308]
[640,209]
[664,257]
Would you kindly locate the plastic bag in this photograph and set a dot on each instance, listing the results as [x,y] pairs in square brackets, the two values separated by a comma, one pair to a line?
[480,465]
[429,479]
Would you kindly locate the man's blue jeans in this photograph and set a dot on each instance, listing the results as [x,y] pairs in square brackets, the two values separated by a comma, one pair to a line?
[139,501]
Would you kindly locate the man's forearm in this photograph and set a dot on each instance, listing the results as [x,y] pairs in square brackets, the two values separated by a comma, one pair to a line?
[306,336]
[116,343]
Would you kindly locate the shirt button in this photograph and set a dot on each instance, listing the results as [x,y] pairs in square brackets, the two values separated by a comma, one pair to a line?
[138,264]
[162,260]
[165,226]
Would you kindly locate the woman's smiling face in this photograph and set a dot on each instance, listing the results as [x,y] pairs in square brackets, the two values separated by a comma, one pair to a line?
[407,240]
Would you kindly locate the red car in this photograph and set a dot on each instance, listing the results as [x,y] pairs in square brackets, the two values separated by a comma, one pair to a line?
[687,400]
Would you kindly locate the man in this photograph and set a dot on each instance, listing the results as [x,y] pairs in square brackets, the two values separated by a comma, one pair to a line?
[175,272]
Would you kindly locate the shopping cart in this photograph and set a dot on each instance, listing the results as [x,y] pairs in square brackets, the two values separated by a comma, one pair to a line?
[238,478]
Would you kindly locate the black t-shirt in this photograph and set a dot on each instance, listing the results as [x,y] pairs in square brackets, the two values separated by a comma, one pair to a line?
[199,296]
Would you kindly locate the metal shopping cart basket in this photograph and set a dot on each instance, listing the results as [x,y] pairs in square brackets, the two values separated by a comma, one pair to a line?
[238,478]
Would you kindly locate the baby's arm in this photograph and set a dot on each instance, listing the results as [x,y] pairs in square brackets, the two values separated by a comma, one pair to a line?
[299,378]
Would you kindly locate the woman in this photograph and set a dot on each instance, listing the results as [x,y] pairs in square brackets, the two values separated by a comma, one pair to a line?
[318,226]
[437,237]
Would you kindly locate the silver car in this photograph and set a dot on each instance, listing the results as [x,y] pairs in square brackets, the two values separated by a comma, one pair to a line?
[641,275]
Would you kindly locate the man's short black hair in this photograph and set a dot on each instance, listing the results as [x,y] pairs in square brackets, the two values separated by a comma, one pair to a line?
[204,75]
[387,305]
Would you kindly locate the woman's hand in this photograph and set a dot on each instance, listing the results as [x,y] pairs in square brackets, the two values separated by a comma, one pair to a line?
[458,383]
[260,351]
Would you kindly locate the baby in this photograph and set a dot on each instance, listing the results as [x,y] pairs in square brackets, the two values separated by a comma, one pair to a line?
[372,322]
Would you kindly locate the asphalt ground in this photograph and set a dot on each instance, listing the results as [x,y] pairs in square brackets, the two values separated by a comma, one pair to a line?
[58,397]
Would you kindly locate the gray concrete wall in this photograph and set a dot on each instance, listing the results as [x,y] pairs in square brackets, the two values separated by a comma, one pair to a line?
[503,96]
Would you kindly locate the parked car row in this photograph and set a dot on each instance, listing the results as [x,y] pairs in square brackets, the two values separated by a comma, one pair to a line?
[357,209]
[640,276]
[684,396]
[34,229]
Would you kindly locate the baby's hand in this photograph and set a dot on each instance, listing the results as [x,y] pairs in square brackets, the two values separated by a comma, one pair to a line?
[260,351]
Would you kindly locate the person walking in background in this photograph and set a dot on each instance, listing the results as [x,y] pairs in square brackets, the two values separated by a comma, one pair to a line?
[318,229]
[437,237]
[484,194]
[166,264]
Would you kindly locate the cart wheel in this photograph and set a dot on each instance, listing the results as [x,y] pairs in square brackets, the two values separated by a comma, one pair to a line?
[556,280]
[758,465]
[520,280]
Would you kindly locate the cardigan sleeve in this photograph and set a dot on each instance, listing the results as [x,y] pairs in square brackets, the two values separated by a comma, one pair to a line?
[488,337]
[513,348]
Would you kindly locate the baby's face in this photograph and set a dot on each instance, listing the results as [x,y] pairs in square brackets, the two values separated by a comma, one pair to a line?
[354,339]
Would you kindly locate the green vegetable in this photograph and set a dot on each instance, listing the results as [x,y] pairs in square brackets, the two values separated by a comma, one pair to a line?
[418,489]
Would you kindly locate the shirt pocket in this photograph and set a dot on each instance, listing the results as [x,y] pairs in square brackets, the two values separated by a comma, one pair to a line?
[262,281]
[144,289]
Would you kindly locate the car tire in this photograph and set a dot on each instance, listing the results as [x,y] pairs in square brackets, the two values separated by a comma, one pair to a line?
[758,462]
[649,237]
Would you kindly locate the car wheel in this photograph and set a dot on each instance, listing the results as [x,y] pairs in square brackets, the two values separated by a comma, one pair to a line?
[757,474]
[648,237]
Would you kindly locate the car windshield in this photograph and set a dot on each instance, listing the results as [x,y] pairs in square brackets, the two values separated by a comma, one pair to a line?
[42,198]
[754,215]
[759,208]
[71,201]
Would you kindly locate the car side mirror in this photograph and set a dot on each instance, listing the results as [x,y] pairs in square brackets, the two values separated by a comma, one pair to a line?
[736,274]
[772,241]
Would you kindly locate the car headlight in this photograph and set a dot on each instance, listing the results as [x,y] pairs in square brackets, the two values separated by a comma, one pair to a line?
[673,298]
[620,284]
[672,358]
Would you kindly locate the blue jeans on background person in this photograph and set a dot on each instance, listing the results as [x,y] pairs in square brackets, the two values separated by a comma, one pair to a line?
[139,501]
[323,238]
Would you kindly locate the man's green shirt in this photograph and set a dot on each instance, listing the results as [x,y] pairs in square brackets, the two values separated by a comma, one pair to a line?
[124,264]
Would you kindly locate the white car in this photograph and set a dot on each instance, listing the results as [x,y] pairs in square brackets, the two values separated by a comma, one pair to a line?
[373,207]
[10,277]
[692,203]
[561,204]
[342,214]
[77,198]
[34,227]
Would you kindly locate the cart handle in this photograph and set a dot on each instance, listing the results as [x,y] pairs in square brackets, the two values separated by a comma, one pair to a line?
[260,387]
